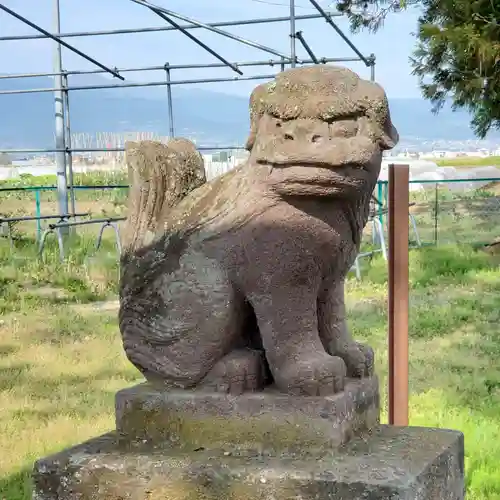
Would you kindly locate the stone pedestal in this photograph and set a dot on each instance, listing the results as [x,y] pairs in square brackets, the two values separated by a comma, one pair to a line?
[268,422]
[268,446]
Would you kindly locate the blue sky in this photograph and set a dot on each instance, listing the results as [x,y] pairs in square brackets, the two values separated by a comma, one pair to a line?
[392,45]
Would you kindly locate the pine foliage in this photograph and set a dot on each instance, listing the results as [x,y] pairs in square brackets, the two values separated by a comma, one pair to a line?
[457,55]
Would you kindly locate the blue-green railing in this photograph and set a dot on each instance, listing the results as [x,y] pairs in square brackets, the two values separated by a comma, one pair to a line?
[39,189]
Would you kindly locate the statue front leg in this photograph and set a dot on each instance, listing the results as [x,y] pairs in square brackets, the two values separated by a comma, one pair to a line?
[299,363]
[335,335]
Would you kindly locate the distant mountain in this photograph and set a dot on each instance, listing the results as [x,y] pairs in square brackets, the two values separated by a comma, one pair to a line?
[28,119]
[211,118]
[415,120]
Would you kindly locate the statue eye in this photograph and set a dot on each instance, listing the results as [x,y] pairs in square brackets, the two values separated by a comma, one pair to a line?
[343,128]
[278,124]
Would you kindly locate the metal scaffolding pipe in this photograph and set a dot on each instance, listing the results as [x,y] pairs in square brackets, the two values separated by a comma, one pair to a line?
[209,28]
[191,37]
[293,48]
[340,32]
[59,41]
[269,62]
[106,150]
[62,182]
[67,140]
[148,84]
[169,101]
[90,221]
[61,77]
[222,24]
[306,47]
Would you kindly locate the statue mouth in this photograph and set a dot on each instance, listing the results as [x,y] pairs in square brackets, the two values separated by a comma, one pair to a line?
[307,163]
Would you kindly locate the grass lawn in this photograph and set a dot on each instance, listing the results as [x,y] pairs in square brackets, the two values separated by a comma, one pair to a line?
[468,161]
[61,359]
[455,342]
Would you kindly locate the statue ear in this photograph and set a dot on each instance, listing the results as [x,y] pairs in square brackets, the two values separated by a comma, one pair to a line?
[257,98]
[390,136]
[253,133]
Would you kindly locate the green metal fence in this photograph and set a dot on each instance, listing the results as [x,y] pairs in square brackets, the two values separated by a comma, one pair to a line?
[38,201]
[445,213]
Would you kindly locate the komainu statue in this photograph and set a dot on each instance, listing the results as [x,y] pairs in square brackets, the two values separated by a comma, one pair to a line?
[238,283]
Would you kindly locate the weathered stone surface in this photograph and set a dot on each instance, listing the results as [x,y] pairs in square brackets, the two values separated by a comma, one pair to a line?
[394,463]
[242,284]
[267,422]
[163,174]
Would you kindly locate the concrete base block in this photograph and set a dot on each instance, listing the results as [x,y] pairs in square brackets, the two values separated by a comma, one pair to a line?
[393,463]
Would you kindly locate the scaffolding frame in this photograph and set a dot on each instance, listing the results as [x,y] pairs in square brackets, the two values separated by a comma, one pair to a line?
[63,149]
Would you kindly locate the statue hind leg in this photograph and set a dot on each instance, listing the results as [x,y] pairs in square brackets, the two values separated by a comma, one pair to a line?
[242,370]
[186,330]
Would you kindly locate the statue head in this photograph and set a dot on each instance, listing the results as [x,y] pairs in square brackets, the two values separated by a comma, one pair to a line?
[320,131]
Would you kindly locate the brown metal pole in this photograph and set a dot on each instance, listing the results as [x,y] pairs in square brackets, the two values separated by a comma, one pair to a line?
[398,293]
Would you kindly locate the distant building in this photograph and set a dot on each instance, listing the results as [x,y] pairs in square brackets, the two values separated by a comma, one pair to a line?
[5,160]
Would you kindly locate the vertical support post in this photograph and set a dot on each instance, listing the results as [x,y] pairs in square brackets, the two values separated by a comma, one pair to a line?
[386,194]
[372,67]
[282,64]
[380,224]
[436,209]
[67,136]
[293,51]
[38,215]
[399,197]
[170,104]
[62,186]
[380,197]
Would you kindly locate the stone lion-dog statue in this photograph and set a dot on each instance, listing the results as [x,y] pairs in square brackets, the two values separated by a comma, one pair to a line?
[238,283]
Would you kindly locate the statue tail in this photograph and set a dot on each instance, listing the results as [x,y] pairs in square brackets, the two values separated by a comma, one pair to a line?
[160,176]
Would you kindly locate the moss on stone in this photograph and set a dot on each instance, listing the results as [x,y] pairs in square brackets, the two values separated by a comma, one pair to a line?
[190,432]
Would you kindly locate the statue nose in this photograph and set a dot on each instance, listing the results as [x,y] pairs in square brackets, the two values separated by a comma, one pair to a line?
[316,138]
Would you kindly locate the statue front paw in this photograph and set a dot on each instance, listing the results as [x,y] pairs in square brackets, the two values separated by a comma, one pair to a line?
[316,375]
